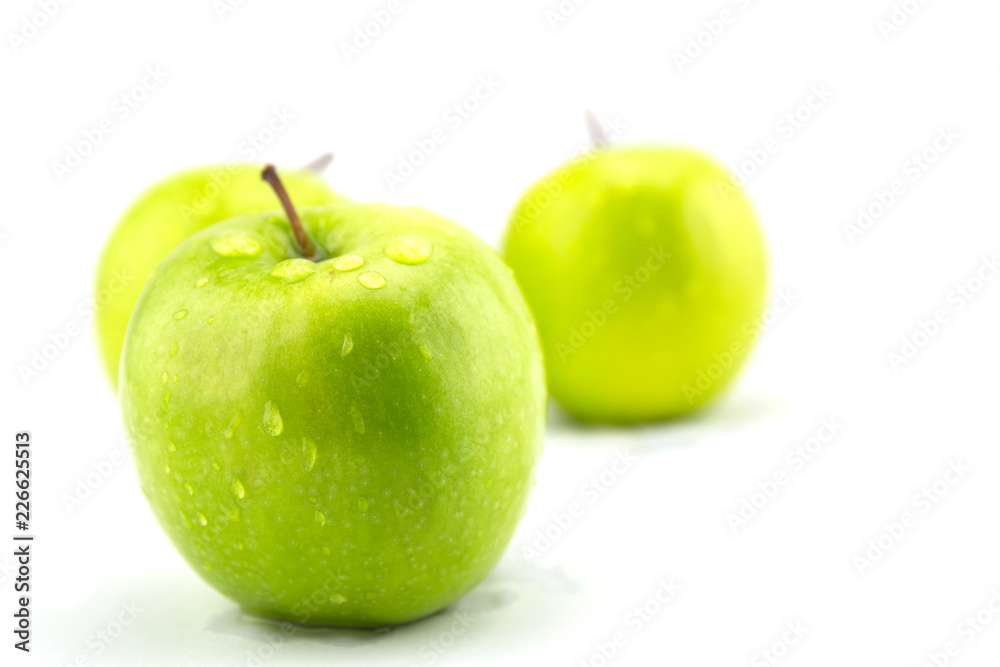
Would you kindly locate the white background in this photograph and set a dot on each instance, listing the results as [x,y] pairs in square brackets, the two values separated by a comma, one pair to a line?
[827,356]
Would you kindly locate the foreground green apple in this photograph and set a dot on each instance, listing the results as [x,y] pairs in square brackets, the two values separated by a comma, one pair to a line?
[646,271]
[166,214]
[349,441]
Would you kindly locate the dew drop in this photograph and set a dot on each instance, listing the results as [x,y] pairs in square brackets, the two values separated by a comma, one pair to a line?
[273,425]
[233,424]
[348,262]
[320,518]
[308,454]
[409,249]
[180,314]
[165,376]
[359,422]
[326,551]
[173,349]
[175,377]
[236,245]
[166,398]
[202,282]
[167,468]
[302,378]
[202,520]
[372,279]
[238,489]
[294,270]
[424,351]
[338,599]
[189,489]
[348,345]
[171,447]
[211,319]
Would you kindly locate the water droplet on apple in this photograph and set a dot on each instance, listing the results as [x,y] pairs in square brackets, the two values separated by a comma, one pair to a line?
[424,351]
[273,425]
[409,249]
[233,424]
[234,514]
[236,245]
[294,270]
[238,489]
[175,377]
[348,345]
[165,376]
[348,262]
[180,314]
[211,319]
[308,454]
[359,422]
[202,282]
[320,518]
[171,447]
[166,398]
[302,378]
[173,349]
[338,599]
[189,489]
[202,520]
[372,279]
[363,504]
[326,551]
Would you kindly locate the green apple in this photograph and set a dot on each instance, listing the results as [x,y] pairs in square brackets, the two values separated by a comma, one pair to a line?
[166,214]
[338,423]
[646,271]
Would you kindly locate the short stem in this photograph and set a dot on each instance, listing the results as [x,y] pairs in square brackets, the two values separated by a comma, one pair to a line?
[596,129]
[271,176]
[319,165]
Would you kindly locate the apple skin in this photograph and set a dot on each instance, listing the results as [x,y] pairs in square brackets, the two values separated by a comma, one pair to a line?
[166,214]
[411,416]
[629,335]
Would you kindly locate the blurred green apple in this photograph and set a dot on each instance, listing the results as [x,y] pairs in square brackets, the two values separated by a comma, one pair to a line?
[342,431]
[646,271]
[166,214]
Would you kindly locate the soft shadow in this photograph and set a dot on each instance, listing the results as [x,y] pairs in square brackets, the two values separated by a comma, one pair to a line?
[727,415]
[491,596]
[237,623]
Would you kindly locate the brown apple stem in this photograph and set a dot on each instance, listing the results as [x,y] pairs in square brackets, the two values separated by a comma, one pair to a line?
[596,129]
[319,165]
[271,176]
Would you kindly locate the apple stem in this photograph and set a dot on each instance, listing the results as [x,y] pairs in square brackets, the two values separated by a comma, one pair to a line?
[319,165]
[270,175]
[596,129]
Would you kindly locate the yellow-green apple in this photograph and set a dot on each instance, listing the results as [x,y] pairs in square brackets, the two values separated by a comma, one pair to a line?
[646,271]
